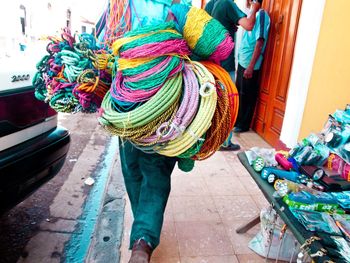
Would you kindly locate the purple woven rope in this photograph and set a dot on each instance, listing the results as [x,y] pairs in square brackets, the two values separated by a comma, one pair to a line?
[223,50]
[185,114]
[57,85]
[161,66]
[157,49]
[122,93]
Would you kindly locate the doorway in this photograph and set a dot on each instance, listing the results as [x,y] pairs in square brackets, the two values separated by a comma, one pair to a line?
[276,69]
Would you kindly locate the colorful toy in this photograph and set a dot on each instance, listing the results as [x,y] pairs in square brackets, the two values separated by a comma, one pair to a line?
[258,164]
[282,160]
[281,174]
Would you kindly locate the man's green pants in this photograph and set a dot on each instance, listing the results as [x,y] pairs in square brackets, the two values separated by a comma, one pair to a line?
[147,181]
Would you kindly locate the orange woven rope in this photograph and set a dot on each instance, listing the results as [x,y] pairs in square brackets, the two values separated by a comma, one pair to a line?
[119,20]
[60,74]
[222,76]
[99,88]
[225,115]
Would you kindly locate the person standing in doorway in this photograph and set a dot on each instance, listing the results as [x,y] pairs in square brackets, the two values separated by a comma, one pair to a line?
[230,16]
[250,57]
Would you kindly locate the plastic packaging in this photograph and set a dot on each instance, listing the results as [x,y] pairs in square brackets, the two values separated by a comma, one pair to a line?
[335,163]
[268,242]
[343,222]
[303,154]
[316,221]
[267,154]
[304,200]
[281,174]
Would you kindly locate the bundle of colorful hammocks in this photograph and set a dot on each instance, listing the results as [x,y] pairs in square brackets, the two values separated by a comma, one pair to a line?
[147,84]
[74,76]
[162,101]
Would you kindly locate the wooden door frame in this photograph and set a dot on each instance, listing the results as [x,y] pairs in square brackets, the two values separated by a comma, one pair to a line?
[289,50]
[307,39]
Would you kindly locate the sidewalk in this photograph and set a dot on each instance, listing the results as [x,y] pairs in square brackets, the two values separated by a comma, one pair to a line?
[205,208]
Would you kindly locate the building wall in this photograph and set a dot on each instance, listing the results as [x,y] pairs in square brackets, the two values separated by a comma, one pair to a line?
[309,26]
[329,87]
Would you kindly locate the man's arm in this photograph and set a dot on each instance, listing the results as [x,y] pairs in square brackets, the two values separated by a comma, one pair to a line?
[248,22]
[170,15]
[248,73]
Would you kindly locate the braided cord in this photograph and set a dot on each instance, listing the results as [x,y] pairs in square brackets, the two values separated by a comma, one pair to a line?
[223,76]
[145,113]
[202,121]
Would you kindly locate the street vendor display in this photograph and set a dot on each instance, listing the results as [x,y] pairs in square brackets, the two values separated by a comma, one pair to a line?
[312,181]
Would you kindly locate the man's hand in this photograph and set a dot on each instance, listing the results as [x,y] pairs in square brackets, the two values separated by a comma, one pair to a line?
[248,23]
[248,73]
[255,7]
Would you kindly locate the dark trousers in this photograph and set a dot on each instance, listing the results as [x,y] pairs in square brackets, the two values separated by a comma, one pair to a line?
[248,92]
[147,182]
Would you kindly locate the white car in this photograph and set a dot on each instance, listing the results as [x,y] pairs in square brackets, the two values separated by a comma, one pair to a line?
[32,147]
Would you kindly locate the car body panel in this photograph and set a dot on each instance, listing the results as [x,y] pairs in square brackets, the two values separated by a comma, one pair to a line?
[32,148]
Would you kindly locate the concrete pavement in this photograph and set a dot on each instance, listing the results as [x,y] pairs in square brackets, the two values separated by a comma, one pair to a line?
[85,221]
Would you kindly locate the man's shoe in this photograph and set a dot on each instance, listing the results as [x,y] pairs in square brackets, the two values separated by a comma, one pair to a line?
[231,147]
[141,252]
[239,130]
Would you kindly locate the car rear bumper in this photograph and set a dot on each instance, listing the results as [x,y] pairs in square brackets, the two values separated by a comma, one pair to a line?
[25,167]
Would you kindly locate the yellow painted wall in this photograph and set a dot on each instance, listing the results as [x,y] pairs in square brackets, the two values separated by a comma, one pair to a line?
[329,87]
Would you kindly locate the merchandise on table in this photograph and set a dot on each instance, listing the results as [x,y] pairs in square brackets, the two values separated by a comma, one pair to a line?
[274,240]
[343,222]
[316,221]
[322,202]
[336,247]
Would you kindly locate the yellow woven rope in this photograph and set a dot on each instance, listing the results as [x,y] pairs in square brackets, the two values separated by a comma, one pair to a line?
[135,62]
[100,61]
[192,32]
[132,63]
[201,122]
[217,132]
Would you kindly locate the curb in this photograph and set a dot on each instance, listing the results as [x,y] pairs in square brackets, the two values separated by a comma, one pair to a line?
[97,238]
[107,237]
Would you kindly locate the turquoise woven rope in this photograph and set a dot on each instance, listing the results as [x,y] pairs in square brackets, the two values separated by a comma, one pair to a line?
[155,79]
[159,37]
[180,11]
[206,44]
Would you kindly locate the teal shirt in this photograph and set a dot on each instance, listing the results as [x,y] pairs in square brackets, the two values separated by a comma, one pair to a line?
[147,12]
[228,14]
[260,31]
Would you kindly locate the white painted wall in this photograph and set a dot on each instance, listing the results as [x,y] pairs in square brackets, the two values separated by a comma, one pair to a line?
[304,54]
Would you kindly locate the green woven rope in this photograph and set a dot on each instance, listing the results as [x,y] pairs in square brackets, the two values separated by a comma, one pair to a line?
[145,113]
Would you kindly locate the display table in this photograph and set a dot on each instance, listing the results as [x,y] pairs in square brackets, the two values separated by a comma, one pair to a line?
[300,233]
